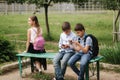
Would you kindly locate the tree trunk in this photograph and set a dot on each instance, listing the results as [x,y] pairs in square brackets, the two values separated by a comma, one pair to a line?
[119,29]
[115,19]
[46,5]
[114,27]
[119,25]
[46,19]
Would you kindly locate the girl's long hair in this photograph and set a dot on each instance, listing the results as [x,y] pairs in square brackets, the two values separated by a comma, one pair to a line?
[37,25]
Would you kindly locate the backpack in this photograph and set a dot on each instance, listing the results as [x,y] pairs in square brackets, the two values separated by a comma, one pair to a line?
[39,42]
[95,48]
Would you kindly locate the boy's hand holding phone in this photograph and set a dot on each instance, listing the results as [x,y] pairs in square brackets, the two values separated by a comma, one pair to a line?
[78,46]
[70,41]
[76,42]
[65,46]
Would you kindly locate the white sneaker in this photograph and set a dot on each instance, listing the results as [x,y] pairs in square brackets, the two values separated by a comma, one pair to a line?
[54,78]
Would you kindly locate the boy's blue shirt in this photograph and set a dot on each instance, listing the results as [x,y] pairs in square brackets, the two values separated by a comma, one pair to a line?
[83,43]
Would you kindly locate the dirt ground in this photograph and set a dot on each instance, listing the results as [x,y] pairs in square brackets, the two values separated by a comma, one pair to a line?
[14,75]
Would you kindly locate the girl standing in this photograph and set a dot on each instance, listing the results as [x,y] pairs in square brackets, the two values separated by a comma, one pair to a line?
[32,32]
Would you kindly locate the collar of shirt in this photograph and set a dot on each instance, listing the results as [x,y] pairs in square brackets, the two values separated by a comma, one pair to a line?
[68,34]
[81,38]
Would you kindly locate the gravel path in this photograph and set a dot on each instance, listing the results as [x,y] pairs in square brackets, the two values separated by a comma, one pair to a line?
[14,75]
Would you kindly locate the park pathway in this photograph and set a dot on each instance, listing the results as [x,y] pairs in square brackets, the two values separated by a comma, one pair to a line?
[14,75]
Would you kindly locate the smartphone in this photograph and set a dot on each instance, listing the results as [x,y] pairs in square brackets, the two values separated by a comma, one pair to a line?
[63,44]
[70,41]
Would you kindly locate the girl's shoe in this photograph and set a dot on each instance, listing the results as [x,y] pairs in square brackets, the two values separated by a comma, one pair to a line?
[40,71]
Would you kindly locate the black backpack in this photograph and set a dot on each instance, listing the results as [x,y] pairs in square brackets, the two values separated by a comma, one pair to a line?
[95,48]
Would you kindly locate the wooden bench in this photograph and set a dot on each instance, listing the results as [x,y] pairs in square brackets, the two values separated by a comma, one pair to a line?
[49,55]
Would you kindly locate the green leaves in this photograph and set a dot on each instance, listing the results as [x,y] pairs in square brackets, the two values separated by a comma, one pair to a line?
[111,4]
[111,54]
[41,2]
[38,3]
[15,1]
[73,1]
[7,50]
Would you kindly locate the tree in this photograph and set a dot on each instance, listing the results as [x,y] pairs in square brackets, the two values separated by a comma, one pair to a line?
[45,4]
[38,3]
[115,6]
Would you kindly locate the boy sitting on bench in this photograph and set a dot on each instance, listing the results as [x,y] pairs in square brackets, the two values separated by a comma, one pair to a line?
[65,52]
[83,52]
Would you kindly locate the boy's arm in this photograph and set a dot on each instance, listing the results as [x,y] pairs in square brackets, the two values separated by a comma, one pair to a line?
[61,45]
[78,47]
[84,49]
[60,42]
[87,46]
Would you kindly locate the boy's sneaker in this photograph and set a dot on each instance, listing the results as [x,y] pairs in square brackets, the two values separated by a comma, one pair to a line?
[54,79]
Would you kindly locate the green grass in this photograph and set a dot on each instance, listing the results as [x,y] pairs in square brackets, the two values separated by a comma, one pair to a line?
[111,54]
[48,76]
[14,27]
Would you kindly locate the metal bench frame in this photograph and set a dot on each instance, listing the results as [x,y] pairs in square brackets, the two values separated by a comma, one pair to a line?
[49,55]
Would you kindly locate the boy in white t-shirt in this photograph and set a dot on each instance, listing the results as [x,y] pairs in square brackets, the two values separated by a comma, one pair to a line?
[65,51]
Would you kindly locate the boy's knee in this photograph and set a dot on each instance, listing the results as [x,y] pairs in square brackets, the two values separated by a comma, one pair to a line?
[82,64]
[55,61]
[63,62]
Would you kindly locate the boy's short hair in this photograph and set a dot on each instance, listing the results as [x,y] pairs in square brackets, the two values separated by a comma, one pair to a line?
[79,27]
[66,26]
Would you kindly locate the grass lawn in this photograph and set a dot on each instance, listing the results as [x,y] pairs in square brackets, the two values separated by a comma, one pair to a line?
[14,27]
[48,76]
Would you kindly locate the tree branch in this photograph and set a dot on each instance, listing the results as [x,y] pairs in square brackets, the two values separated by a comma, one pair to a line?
[117,16]
[49,2]
[115,26]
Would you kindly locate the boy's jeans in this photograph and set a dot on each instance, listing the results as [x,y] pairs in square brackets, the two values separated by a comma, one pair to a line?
[60,63]
[84,59]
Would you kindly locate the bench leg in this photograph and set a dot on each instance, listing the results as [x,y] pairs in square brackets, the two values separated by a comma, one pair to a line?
[98,71]
[87,72]
[20,65]
[32,65]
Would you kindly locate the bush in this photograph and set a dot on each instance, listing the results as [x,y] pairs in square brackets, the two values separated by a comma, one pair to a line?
[7,50]
[111,54]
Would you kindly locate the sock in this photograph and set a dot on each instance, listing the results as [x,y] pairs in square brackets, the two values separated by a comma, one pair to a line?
[39,70]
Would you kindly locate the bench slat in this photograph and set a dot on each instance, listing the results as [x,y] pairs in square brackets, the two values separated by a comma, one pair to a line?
[96,59]
[46,55]
[51,56]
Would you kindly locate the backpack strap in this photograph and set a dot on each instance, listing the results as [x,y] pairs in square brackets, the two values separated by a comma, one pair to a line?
[85,41]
